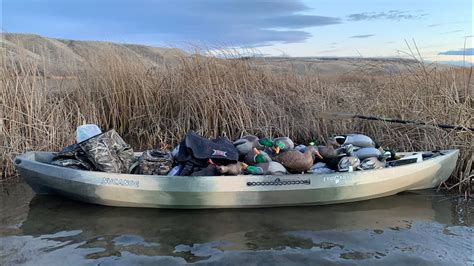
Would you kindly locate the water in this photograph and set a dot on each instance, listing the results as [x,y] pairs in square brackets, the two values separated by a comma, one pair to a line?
[422,227]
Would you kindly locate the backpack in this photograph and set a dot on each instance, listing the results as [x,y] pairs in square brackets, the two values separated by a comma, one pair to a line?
[108,152]
[153,162]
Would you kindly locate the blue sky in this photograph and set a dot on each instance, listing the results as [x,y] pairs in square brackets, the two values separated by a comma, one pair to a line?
[441,29]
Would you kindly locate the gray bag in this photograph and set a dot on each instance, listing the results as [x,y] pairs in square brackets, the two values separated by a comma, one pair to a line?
[108,152]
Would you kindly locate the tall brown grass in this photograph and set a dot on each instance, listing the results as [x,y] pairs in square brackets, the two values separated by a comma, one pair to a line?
[154,107]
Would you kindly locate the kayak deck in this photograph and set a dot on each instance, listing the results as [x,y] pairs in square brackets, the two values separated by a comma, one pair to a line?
[242,191]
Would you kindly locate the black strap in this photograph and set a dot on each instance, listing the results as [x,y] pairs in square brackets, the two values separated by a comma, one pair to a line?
[400,121]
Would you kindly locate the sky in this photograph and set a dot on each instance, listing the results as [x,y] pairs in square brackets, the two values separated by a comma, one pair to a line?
[441,31]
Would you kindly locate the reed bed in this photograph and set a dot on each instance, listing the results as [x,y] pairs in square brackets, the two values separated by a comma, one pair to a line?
[154,107]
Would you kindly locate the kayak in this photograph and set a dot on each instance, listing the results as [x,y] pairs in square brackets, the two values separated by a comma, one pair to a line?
[241,191]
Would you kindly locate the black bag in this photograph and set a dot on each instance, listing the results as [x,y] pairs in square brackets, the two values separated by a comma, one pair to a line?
[195,151]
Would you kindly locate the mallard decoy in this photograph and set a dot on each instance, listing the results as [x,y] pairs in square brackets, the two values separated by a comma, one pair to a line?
[324,152]
[232,169]
[256,156]
[327,152]
[393,154]
[283,144]
[296,161]
[364,153]
[374,162]
[348,164]
[358,140]
[270,168]
[246,143]
[371,163]
[265,143]
[300,147]
[320,168]
[332,162]
[346,150]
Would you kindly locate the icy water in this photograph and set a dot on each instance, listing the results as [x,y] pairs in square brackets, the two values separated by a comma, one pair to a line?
[412,228]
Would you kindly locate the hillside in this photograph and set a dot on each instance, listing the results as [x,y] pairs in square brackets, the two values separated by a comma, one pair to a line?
[59,57]
[63,57]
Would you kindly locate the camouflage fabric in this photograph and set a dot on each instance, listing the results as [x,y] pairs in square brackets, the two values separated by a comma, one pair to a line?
[72,163]
[108,152]
[73,157]
[154,162]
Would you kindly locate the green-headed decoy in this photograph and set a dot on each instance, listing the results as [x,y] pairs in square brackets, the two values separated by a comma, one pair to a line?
[270,168]
[256,156]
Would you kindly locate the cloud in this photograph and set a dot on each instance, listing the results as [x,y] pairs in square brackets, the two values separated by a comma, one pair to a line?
[298,21]
[362,36]
[437,25]
[396,15]
[452,31]
[211,22]
[466,52]
[448,23]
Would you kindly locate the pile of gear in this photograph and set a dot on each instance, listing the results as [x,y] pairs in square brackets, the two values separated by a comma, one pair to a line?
[199,156]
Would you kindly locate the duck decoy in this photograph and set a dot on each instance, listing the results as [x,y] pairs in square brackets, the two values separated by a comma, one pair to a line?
[364,153]
[358,140]
[270,168]
[374,162]
[256,156]
[296,161]
[348,164]
[300,147]
[265,143]
[320,168]
[283,144]
[246,143]
[232,169]
[331,161]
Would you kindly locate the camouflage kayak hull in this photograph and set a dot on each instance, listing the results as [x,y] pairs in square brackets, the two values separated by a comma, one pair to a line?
[244,191]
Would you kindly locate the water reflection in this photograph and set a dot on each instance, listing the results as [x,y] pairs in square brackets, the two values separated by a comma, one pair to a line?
[381,229]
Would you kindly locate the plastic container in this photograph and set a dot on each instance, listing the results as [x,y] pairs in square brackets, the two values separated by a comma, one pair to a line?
[175,170]
[87,131]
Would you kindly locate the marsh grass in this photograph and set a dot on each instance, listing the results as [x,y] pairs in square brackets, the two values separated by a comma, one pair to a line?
[154,107]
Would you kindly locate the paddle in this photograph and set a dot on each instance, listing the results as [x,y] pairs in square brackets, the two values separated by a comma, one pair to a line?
[331,115]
